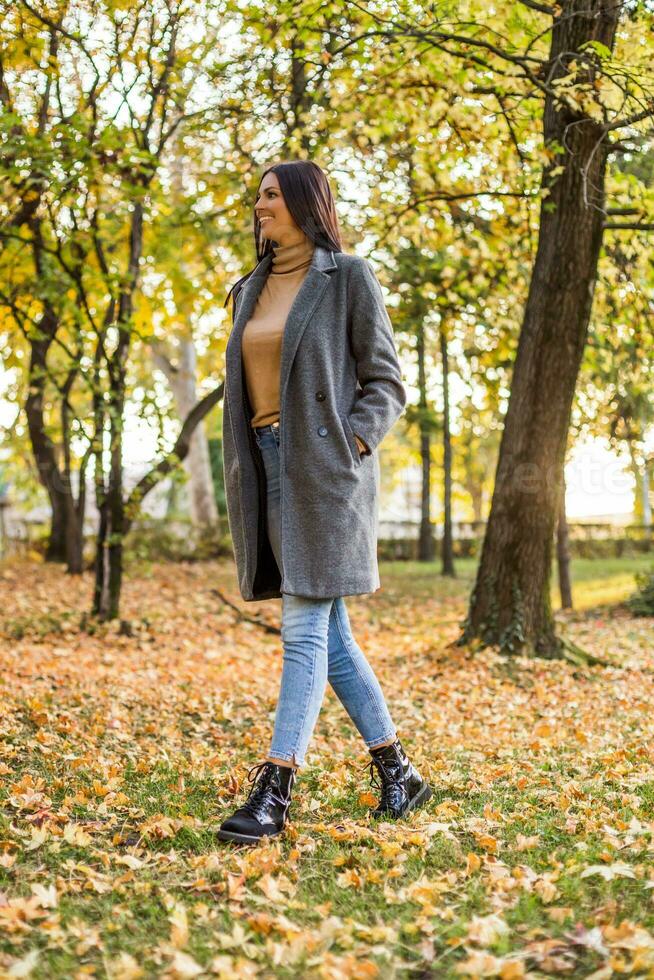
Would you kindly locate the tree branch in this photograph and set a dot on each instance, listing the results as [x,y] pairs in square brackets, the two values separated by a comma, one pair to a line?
[178,453]
[630,120]
[615,226]
[540,7]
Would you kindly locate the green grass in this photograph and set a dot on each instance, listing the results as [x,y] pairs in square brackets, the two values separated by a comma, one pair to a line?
[595,581]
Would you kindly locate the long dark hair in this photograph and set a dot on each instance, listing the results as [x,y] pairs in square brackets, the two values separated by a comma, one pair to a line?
[309,199]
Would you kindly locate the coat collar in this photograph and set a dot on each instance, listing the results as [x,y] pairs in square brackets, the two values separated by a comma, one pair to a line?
[323,260]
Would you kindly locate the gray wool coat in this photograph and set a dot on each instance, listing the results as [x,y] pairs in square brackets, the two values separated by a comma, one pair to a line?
[339,375]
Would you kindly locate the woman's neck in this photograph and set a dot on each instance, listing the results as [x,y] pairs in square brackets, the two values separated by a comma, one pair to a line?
[290,258]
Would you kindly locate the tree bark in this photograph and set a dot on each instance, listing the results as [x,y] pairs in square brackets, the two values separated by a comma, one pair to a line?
[510,604]
[447,552]
[65,531]
[426,538]
[644,489]
[182,380]
[109,560]
[563,554]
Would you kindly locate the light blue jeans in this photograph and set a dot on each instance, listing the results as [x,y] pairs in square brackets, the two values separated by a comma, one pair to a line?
[318,647]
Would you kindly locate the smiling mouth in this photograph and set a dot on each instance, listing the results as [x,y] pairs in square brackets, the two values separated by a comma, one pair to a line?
[266,217]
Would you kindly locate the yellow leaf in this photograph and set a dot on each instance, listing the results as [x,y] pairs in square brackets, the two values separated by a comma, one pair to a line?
[486,930]
[38,838]
[124,967]
[546,890]
[130,861]
[526,843]
[46,895]
[473,863]
[184,967]
[480,965]
[367,799]
[512,971]
[73,834]
[271,889]
[349,879]
[179,926]
[25,966]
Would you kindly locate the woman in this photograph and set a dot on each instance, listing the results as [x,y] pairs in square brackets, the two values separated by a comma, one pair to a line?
[312,385]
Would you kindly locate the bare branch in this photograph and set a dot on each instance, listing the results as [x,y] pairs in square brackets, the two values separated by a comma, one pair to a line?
[542,8]
[615,226]
[630,120]
[178,453]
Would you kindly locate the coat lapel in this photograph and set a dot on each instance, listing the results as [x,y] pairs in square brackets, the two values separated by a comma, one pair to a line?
[304,304]
[308,297]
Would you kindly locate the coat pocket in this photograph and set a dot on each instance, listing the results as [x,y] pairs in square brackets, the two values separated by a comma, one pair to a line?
[351,441]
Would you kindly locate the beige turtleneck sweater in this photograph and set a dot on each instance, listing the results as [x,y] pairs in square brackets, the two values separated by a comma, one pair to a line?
[262,336]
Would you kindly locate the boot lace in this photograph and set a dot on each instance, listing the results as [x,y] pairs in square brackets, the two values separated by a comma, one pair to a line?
[391,787]
[261,789]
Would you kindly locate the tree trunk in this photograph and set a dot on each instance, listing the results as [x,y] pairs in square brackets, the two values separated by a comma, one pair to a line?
[510,603]
[642,506]
[109,557]
[644,489]
[426,538]
[116,508]
[563,554]
[44,450]
[182,378]
[57,544]
[109,545]
[447,553]
[647,507]
[74,512]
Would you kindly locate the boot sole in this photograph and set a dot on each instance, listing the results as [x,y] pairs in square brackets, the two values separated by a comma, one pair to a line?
[244,838]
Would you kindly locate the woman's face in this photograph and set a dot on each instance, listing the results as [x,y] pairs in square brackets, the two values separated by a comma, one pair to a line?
[274,217]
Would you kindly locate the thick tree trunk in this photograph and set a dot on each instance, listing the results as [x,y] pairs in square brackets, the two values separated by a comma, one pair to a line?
[563,554]
[447,552]
[57,543]
[426,539]
[510,603]
[65,531]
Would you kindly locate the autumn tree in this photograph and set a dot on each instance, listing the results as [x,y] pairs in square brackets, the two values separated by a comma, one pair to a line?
[88,241]
[586,98]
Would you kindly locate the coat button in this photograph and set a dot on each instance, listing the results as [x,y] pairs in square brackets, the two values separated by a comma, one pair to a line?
[322,431]
[320,396]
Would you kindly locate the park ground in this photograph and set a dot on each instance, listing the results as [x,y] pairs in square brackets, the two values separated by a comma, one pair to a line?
[121,751]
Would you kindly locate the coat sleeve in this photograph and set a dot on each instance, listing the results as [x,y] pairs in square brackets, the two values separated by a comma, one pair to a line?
[378,368]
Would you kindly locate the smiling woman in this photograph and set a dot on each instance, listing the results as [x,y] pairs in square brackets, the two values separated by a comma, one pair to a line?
[312,386]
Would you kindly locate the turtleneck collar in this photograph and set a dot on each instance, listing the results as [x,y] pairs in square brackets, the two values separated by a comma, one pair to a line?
[290,258]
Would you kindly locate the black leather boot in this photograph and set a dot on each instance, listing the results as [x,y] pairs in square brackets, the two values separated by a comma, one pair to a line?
[402,786]
[265,810]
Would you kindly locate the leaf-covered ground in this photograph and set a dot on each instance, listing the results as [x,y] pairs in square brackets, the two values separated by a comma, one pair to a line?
[120,755]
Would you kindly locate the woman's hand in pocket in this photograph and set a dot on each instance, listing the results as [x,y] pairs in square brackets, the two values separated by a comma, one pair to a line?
[363,449]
